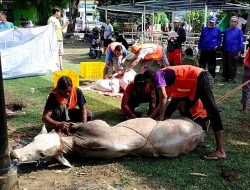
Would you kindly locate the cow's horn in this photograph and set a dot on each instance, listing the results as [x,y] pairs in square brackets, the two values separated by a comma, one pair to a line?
[43,130]
[63,160]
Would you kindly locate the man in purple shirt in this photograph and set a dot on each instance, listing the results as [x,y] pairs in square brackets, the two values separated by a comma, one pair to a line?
[190,82]
[209,41]
[232,46]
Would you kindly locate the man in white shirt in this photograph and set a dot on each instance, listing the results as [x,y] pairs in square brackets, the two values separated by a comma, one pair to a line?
[241,21]
[107,34]
[148,55]
[56,14]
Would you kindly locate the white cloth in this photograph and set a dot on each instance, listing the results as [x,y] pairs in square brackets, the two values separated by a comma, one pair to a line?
[241,21]
[28,51]
[145,51]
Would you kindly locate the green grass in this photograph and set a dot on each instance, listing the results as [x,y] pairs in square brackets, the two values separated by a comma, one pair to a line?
[165,173]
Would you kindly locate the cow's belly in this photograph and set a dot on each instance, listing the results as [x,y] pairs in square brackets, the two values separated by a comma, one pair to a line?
[141,136]
[103,141]
[174,137]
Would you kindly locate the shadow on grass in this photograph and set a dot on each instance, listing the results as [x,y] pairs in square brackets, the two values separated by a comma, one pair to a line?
[112,116]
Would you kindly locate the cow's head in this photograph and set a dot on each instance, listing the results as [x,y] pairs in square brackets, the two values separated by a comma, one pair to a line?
[43,147]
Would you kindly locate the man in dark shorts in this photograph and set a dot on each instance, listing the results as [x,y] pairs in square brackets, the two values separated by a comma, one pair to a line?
[65,105]
[190,82]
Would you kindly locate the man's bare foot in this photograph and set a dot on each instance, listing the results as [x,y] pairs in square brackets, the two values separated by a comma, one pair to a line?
[244,111]
[216,155]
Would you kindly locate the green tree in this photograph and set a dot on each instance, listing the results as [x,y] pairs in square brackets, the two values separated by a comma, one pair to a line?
[160,18]
[44,8]
[114,2]
[195,19]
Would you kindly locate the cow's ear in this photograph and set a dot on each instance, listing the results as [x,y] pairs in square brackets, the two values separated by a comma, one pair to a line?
[63,160]
[44,130]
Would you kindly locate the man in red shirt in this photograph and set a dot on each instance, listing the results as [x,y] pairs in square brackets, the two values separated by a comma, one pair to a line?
[138,92]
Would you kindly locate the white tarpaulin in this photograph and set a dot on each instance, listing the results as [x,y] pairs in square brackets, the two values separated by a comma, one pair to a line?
[28,51]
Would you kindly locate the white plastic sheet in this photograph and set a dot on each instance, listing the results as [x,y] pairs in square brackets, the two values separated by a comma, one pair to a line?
[28,51]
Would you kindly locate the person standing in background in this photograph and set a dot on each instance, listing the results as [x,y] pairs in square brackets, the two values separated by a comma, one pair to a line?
[4,24]
[121,39]
[56,14]
[241,21]
[246,76]
[174,48]
[209,42]
[108,31]
[232,46]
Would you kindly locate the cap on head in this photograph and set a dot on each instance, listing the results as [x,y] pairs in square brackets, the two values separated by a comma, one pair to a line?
[234,18]
[176,19]
[135,48]
[212,19]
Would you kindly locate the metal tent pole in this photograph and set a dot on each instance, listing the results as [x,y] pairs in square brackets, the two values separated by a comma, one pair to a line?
[106,13]
[85,10]
[144,23]
[205,17]
[142,26]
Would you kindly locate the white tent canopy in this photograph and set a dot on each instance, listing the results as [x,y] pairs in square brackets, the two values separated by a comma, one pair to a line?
[151,6]
[28,51]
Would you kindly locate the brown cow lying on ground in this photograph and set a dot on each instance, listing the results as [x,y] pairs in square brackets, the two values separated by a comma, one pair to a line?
[140,136]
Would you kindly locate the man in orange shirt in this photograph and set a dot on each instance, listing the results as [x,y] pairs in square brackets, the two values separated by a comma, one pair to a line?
[194,83]
[148,54]
[246,76]
[65,105]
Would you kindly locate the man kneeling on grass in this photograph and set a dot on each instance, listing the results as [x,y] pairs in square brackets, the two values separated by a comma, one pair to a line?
[136,93]
[65,105]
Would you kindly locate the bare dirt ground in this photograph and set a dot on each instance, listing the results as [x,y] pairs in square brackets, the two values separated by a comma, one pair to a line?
[86,174]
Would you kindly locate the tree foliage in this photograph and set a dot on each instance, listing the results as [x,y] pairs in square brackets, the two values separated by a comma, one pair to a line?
[160,18]
[44,8]
[114,2]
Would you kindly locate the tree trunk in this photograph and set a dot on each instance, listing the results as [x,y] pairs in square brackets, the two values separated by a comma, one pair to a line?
[73,8]
[43,11]
[8,174]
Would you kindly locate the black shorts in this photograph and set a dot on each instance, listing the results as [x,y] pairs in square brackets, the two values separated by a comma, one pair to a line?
[107,42]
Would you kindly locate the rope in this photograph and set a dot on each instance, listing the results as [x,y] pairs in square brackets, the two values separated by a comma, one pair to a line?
[232,92]
[147,139]
[5,169]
